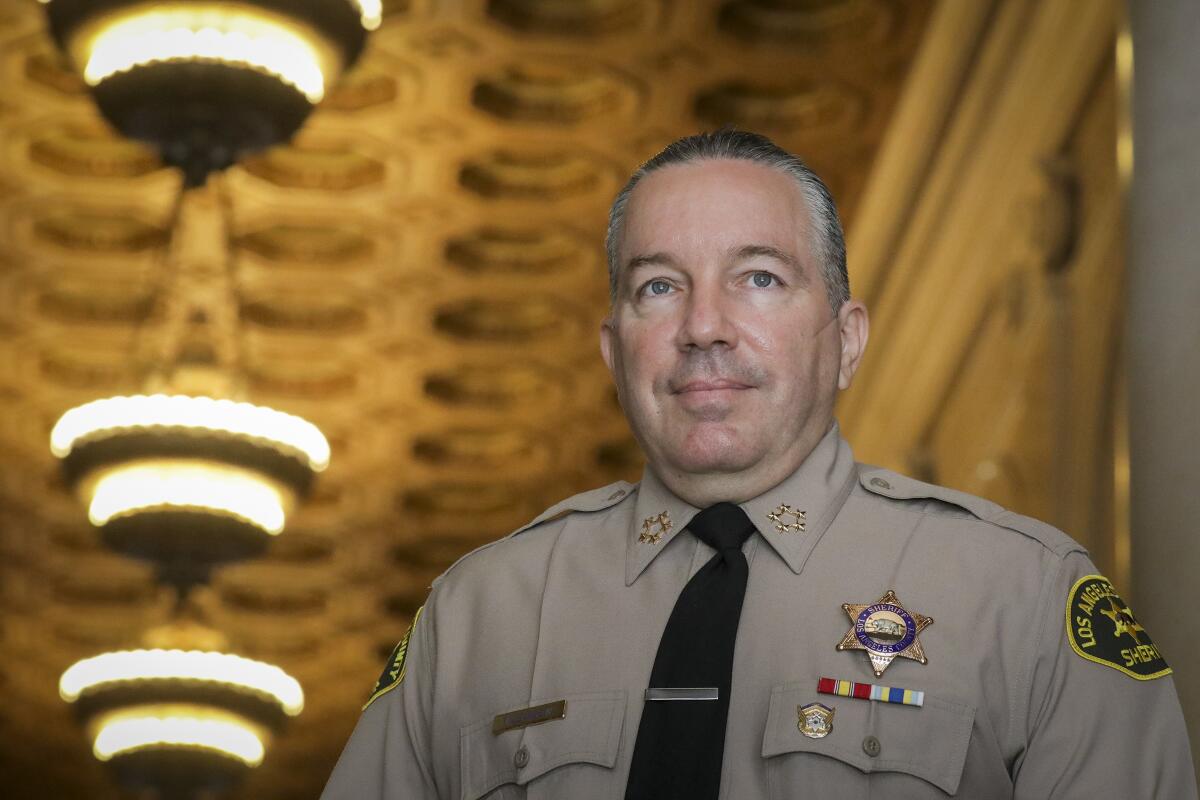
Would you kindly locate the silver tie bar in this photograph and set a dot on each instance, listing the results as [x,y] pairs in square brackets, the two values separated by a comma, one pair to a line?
[700,693]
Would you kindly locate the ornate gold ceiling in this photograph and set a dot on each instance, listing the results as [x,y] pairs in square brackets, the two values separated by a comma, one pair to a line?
[420,274]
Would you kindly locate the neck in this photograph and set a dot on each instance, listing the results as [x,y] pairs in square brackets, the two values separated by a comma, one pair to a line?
[708,488]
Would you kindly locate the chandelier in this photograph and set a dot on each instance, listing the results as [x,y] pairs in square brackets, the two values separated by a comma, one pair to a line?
[180,717]
[187,482]
[189,475]
[208,81]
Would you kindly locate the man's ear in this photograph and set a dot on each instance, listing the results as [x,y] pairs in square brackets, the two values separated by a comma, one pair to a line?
[854,326]
[607,333]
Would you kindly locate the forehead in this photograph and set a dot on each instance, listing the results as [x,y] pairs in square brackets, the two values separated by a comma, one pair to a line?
[717,202]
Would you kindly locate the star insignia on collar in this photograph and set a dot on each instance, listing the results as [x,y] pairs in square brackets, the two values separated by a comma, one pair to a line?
[780,516]
[886,630]
[655,527]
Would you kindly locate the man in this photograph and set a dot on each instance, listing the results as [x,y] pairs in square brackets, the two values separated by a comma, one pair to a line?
[761,617]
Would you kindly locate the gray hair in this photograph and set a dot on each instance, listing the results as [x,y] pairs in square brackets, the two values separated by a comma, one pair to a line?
[830,243]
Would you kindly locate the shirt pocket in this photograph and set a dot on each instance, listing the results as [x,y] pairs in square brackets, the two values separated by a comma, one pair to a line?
[872,750]
[569,757]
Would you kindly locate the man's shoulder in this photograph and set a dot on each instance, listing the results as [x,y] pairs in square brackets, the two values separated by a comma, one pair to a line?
[592,502]
[893,488]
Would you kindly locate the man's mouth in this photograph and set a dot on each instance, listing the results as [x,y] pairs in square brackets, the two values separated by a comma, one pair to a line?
[710,385]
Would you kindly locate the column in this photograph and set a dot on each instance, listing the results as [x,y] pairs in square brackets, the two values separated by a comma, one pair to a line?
[1164,335]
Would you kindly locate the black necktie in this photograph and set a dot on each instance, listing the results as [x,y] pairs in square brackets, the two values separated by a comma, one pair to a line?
[680,743]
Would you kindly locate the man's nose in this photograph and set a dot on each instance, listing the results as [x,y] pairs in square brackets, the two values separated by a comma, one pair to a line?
[707,319]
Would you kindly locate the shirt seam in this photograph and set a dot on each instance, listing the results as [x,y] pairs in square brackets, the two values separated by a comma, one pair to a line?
[870,497]
[1023,689]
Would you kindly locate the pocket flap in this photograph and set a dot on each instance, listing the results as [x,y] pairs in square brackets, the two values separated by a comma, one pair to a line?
[589,733]
[929,742]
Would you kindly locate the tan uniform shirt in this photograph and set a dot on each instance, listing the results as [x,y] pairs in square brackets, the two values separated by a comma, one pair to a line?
[572,608]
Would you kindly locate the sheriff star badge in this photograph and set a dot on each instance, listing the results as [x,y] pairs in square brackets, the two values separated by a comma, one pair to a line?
[886,630]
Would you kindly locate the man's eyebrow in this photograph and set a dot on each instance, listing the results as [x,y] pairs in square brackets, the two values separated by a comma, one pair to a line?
[650,260]
[769,251]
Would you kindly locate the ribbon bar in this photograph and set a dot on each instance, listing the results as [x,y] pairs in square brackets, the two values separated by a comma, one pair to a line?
[871,691]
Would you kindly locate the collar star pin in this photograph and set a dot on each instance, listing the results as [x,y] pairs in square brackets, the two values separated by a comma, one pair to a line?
[655,527]
[886,630]
[780,516]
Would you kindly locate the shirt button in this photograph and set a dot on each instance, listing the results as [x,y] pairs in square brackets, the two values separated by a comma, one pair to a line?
[871,746]
[522,756]
[880,483]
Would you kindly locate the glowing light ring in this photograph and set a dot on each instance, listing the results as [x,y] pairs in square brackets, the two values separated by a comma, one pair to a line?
[133,730]
[110,416]
[192,665]
[199,34]
[370,12]
[222,489]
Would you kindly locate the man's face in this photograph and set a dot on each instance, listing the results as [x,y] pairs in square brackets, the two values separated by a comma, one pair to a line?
[722,343]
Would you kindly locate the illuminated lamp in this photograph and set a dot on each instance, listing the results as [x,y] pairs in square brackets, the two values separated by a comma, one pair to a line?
[187,482]
[178,720]
[206,82]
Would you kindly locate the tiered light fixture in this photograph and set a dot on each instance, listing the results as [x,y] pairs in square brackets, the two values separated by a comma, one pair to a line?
[188,476]
[207,81]
[179,719]
[187,483]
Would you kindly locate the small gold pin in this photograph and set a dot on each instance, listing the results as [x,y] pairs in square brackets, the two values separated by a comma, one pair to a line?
[780,516]
[655,527]
[815,720]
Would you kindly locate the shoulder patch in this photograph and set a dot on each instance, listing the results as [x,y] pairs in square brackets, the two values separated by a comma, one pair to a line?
[393,670]
[1102,628]
[886,483]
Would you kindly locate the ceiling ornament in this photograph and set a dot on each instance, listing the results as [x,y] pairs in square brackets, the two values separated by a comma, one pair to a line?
[79,150]
[554,175]
[824,108]
[334,166]
[586,18]
[563,92]
[512,319]
[480,385]
[208,82]
[491,250]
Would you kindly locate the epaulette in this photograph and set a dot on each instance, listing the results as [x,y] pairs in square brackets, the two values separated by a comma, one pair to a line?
[592,500]
[893,485]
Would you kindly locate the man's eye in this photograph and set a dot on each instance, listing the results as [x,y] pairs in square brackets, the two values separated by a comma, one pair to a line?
[658,287]
[762,279]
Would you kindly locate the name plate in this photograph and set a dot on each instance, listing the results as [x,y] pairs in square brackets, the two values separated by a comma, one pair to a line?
[523,718]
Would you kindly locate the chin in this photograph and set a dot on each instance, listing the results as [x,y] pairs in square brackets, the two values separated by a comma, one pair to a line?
[713,453]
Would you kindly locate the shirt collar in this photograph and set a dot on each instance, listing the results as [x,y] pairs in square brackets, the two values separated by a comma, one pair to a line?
[811,496]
